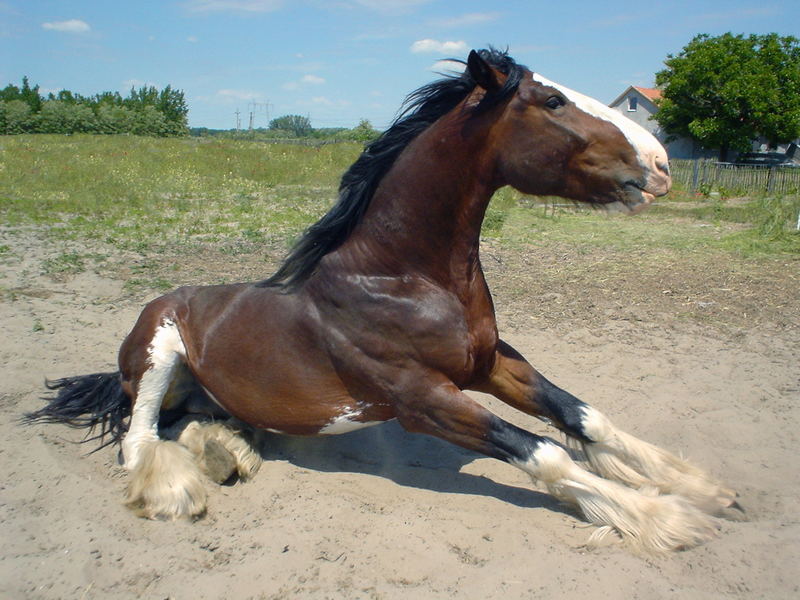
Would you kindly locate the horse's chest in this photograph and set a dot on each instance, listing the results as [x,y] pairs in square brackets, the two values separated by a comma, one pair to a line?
[433,330]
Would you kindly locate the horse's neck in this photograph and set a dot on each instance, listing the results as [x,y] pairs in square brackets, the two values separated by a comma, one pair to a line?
[426,214]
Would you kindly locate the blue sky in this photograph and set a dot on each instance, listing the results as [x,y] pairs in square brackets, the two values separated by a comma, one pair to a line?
[339,61]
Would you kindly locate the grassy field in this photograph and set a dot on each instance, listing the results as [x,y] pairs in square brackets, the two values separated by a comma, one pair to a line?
[172,207]
[142,190]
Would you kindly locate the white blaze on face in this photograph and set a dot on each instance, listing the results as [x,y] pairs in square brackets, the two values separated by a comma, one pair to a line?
[650,152]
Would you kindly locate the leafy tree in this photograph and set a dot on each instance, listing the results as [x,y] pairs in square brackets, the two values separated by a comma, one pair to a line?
[146,111]
[363,132]
[149,121]
[114,119]
[296,125]
[58,116]
[16,116]
[727,90]
[27,94]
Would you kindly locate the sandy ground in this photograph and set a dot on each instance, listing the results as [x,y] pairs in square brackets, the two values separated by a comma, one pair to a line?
[384,514]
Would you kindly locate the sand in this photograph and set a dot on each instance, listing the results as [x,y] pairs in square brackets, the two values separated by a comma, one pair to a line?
[380,513]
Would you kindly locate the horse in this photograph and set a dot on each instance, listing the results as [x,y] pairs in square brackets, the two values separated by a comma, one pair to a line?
[381,311]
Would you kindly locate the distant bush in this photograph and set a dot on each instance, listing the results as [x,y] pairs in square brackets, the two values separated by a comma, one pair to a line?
[146,111]
[294,127]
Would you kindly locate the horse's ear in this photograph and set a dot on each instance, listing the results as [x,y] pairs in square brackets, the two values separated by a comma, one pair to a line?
[482,73]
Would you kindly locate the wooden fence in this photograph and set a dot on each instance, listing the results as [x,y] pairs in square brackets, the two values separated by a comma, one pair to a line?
[706,174]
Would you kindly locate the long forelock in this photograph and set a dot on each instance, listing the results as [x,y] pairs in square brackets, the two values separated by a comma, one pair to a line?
[420,110]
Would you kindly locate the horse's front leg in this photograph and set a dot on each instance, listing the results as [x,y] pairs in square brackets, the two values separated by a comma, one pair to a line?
[650,522]
[612,453]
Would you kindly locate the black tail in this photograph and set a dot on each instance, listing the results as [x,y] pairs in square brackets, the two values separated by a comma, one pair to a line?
[87,401]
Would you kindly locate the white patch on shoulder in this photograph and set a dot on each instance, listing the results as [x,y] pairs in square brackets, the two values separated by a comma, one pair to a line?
[346,422]
[645,144]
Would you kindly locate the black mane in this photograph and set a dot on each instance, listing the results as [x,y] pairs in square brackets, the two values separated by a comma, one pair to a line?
[421,109]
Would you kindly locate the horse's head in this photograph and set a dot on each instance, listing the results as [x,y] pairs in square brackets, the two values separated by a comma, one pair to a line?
[550,140]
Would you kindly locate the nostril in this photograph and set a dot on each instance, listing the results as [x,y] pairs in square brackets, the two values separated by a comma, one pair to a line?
[663,167]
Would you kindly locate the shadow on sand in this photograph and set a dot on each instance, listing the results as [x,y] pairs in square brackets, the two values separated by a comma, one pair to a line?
[408,459]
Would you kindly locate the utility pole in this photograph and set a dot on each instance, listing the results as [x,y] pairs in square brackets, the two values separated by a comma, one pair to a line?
[256,108]
[238,121]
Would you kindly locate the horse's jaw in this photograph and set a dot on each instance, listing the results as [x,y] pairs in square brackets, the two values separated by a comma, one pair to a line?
[633,204]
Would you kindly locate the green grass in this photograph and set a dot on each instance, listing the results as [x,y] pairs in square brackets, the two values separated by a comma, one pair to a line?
[143,193]
[747,227]
[132,190]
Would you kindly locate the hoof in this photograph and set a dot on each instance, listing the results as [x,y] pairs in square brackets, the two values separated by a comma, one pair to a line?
[216,462]
[166,483]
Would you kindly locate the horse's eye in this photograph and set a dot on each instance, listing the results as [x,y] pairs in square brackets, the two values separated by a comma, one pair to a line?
[554,102]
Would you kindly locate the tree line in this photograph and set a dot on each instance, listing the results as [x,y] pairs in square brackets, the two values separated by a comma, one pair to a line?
[294,127]
[144,111]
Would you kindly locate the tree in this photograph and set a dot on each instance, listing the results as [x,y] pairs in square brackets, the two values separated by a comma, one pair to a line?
[58,116]
[16,117]
[27,94]
[363,132]
[725,91]
[295,124]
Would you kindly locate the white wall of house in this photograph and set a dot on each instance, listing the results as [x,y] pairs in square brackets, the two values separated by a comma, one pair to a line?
[639,108]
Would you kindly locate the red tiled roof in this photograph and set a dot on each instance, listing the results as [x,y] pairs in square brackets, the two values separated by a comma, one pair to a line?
[650,93]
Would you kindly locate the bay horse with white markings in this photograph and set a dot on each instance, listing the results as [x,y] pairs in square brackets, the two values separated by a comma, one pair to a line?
[381,311]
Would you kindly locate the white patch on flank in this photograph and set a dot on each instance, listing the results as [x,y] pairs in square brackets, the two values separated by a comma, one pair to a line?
[164,352]
[646,145]
[346,422]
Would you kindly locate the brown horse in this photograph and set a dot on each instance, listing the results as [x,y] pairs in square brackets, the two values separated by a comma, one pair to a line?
[382,312]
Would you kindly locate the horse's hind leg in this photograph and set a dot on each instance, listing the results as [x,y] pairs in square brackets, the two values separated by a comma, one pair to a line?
[220,448]
[165,481]
[613,453]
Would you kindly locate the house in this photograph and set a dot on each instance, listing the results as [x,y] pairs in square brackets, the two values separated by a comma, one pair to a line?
[639,105]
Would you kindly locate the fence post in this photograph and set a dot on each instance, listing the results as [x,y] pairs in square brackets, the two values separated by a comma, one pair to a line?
[695,174]
[770,178]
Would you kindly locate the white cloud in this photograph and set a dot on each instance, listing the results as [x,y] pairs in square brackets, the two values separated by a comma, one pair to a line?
[392,7]
[192,39]
[466,20]
[320,101]
[245,6]
[309,79]
[238,95]
[69,26]
[447,66]
[136,83]
[428,45]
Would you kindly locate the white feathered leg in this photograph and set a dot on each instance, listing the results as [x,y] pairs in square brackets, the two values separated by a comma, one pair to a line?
[647,521]
[165,482]
[622,457]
